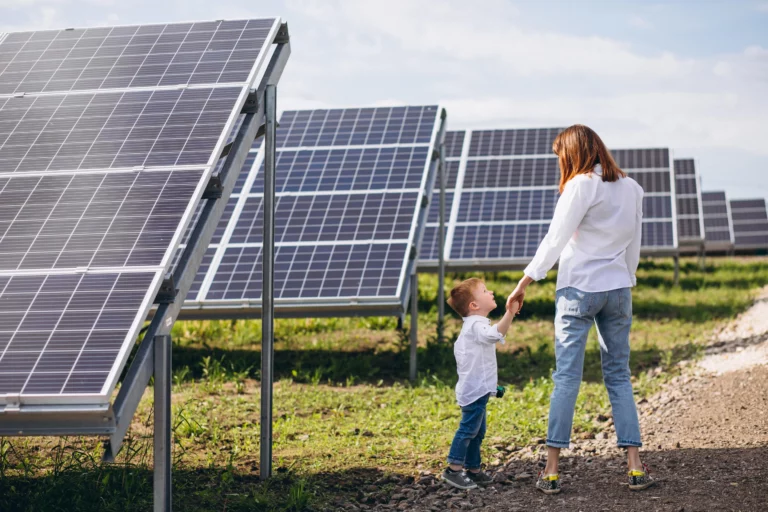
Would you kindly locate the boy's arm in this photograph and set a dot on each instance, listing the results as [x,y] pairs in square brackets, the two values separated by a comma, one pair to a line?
[495,333]
[506,320]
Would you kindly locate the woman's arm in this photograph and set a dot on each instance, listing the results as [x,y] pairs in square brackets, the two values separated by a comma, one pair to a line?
[632,254]
[569,212]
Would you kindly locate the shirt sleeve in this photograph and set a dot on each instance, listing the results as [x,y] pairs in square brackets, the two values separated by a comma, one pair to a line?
[489,334]
[569,212]
[632,254]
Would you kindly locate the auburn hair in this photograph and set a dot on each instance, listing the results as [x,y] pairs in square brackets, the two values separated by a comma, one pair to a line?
[579,149]
[463,294]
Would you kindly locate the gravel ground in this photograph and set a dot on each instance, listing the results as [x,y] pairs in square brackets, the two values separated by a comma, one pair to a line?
[706,441]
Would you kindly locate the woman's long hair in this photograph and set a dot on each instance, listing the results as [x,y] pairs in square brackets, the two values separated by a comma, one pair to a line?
[579,149]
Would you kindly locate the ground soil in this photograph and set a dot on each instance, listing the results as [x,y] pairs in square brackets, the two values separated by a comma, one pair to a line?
[705,435]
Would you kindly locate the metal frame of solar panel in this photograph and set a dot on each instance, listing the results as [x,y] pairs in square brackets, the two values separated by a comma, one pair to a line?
[349,181]
[750,226]
[505,188]
[718,223]
[108,140]
[690,218]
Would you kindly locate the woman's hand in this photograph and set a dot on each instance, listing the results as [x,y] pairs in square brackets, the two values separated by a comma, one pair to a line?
[518,295]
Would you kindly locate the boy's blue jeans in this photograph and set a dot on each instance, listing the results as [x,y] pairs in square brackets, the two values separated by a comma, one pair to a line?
[576,311]
[465,448]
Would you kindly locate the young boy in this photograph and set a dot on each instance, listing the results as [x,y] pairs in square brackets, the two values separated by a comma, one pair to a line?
[475,352]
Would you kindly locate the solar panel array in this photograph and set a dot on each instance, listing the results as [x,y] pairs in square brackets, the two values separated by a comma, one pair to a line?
[350,189]
[750,224]
[108,137]
[690,223]
[718,228]
[504,188]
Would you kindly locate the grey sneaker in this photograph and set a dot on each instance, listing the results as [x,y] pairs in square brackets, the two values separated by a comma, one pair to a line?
[548,484]
[640,479]
[457,479]
[480,478]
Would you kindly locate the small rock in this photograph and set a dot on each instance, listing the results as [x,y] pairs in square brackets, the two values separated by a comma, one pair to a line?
[523,476]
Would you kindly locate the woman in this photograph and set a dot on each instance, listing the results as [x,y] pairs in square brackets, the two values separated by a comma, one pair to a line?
[595,232]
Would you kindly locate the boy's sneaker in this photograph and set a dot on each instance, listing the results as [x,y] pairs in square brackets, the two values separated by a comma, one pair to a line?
[640,479]
[457,479]
[549,484]
[480,478]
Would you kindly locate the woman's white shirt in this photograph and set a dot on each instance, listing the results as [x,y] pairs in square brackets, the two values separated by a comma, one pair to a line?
[475,352]
[595,231]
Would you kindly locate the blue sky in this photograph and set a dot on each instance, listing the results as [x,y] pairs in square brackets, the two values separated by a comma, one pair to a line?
[688,74]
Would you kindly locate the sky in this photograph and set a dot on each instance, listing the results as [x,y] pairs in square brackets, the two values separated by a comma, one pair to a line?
[691,75]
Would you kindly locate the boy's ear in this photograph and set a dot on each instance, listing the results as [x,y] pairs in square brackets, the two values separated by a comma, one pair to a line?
[473,305]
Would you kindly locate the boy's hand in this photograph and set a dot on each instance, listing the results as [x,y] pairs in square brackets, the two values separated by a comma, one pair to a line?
[513,307]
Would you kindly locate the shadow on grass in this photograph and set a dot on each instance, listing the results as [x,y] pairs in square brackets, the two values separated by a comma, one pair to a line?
[114,488]
[371,366]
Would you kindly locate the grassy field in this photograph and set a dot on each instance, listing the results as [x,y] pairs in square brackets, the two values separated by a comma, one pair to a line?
[346,417]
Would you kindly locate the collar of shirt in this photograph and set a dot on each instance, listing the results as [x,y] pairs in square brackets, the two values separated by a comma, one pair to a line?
[476,318]
[598,170]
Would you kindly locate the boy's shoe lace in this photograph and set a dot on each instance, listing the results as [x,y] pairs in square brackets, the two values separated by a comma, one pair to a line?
[457,479]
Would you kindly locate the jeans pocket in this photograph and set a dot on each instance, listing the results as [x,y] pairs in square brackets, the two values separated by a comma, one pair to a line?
[572,301]
[625,303]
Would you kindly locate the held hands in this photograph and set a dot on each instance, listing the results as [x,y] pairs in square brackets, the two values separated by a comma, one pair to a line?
[518,295]
[513,307]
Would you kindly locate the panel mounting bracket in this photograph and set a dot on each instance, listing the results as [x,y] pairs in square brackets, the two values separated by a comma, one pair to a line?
[214,188]
[167,292]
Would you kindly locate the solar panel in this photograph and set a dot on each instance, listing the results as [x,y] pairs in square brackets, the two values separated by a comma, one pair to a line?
[505,189]
[750,224]
[108,137]
[718,227]
[690,224]
[350,207]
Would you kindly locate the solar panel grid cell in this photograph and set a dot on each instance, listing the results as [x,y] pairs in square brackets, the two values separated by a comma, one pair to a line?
[107,137]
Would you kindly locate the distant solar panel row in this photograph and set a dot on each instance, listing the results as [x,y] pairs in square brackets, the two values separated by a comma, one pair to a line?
[750,224]
[718,227]
[504,188]
[689,216]
[108,137]
[349,187]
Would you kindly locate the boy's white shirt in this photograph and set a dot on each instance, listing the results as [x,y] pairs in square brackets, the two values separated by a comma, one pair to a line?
[475,352]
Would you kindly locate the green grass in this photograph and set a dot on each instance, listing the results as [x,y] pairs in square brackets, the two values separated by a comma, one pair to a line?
[345,415]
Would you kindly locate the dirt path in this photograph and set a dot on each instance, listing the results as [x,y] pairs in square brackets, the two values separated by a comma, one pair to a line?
[705,434]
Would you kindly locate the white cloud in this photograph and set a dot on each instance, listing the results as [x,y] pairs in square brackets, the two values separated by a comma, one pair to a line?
[762,6]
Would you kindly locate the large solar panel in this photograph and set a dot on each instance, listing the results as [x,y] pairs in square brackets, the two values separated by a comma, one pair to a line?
[108,137]
[750,224]
[718,227]
[351,190]
[504,190]
[690,224]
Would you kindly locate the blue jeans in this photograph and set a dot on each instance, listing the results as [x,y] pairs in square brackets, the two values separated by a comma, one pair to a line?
[465,448]
[576,312]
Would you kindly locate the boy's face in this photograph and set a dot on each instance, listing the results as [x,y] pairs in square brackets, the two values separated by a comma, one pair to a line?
[484,302]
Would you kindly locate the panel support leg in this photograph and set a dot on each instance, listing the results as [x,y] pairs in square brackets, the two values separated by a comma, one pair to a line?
[441,248]
[268,283]
[703,258]
[414,326]
[677,269]
[162,434]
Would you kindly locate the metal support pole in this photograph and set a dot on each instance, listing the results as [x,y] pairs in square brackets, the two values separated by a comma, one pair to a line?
[414,325]
[677,269]
[441,248]
[703,258]
[268,284]
[162,434]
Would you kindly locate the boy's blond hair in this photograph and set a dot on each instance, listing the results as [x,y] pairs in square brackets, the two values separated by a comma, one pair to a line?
[463,294]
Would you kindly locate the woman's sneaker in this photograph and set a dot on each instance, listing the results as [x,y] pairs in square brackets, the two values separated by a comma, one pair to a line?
[457,479]
[640,479]
[480,478]
[548,484]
